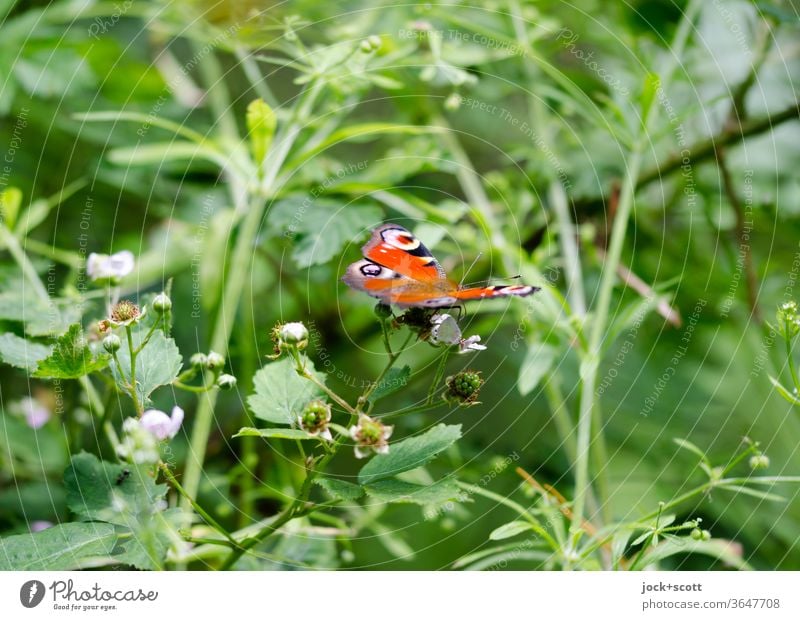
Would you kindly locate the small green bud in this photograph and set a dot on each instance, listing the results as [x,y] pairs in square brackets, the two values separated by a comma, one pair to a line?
[788,319]
[759,461]
[383,311]
[697,534]
[214,361]
[706,535]
[112,343]
[375,42]
[162,303]
[365,46]
[199,360]
[261,123]
[226,382]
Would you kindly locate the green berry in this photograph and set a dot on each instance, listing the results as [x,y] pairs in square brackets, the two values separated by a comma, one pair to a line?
[162,303]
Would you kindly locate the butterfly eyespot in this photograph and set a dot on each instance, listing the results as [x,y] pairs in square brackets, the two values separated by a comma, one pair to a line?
[371,270]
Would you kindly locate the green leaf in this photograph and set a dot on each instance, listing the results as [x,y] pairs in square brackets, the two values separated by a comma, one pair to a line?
[339,489]
[735,488]
[151,540]
[22,353]
[619,543]
[509,529]
[538,362]
[100,491]
[281,393]
[157,364]
[61,547]
[277,433]
[392,490]
[71,357]
[722,550]
[395,379]
[409,453]
[324,232]
[41,318]
[688,445]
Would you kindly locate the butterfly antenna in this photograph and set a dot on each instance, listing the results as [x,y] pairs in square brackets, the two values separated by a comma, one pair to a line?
[494,281]
[466,273]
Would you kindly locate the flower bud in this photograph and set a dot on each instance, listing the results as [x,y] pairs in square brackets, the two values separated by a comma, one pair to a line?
[697,534]
[214,361]
[112,343]
[788,319]
[199,360]
[226,382]
[293,334]
[162,303]
[453,102]
[383,311]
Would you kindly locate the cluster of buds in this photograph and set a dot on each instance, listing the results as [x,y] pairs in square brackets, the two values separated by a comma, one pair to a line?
[464,387]
[788,319]
[371,44]
[214,362]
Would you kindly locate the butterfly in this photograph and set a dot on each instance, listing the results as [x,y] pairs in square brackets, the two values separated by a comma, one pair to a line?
[398,269]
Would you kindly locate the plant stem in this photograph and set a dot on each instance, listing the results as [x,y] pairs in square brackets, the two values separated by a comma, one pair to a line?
[11,243]
[591,358]
[234,283]
[133,353]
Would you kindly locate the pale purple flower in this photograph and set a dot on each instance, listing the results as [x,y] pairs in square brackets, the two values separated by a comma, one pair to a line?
[102,267]
[38,526]
[36,414]
[160,425]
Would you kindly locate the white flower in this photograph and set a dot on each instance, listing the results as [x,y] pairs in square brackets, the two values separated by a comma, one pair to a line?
[160,425]
[102,267]
[471,344]
[444,330]
[36,414]
[370,436]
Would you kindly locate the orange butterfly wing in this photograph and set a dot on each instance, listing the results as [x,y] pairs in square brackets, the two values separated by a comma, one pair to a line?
[398,269]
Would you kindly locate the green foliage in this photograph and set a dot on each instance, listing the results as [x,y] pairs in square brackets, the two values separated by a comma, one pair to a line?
[61,547]
[71,357]
[157,364]
[280,393]
[22,353]
[410,453]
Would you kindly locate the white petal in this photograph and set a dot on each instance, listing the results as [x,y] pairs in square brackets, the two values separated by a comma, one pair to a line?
[361,453]
[471,344]
[387,431]
[121,263]
[384,449]
[445,330]
[176,419]
[326,434]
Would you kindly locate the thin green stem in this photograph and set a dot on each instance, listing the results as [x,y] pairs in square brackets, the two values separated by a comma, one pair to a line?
[132,384]
[11,243]
[437,378]
[591,359]
[790,358]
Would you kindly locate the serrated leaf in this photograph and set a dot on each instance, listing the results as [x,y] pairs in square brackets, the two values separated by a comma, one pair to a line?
[71,357]
[157,364]
[325,232]
[509,529]
[100,491]
[41,318]
[281,393]
[22,353]
[151,540]
[395,379]
[339,489]
[537,363]
[392,490]
[410,453]
[277,433]
[60,547]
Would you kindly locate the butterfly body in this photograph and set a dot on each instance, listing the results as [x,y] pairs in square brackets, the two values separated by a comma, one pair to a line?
[398,269]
